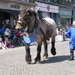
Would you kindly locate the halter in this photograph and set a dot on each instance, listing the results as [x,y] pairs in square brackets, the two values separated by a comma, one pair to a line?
[33,30]
[35,24]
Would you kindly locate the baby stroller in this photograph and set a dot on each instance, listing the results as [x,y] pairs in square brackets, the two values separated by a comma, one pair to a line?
[17,39]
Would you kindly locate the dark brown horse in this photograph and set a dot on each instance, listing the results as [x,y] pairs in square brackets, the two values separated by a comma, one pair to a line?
[45,28]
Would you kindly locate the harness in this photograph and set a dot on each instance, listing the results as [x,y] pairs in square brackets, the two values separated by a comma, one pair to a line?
[36,25]
[30,39]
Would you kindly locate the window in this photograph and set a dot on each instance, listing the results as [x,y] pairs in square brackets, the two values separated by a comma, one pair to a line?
[46,0]
[55,1]
[69,0]
[23,0]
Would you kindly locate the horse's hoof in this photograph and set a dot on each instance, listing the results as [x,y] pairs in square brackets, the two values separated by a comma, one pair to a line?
[45,55]
[36,61]
[28,62]
[28,59]
[53,51]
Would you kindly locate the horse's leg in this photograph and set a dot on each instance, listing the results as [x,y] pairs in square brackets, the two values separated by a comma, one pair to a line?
[53,50]
[28,56]
[38,57]
[45,50]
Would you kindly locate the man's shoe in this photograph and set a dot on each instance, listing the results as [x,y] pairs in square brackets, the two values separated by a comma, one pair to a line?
[71,58]
[72,55]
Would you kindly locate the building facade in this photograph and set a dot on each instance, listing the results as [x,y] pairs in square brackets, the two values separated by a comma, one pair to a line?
[48,10]
[65,12]
[9,9]
[57,9]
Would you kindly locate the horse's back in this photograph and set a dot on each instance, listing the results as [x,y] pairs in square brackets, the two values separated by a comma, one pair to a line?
[52,24]
[50,21]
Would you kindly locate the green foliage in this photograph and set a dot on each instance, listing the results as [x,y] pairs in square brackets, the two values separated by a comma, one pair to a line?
[59,27]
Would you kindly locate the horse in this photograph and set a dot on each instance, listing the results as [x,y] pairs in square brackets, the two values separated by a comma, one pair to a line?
[45,28]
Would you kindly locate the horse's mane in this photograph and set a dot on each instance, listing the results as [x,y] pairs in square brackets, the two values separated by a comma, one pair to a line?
[32,12]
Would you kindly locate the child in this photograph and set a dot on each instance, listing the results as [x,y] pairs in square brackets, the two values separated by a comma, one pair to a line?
[7,43]
[71,34]
[19,33]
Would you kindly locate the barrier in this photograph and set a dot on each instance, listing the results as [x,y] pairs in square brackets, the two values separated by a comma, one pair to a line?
[59,38]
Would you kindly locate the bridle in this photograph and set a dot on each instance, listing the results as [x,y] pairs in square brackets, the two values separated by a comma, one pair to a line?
[27,20]
[25,23]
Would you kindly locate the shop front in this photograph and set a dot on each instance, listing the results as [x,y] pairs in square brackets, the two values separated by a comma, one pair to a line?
[65,15]
[9,10]
[47,10]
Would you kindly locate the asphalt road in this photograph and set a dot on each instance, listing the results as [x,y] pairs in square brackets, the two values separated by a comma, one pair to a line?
[12,62]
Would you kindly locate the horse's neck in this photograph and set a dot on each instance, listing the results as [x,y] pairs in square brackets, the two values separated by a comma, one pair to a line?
[31,25]
[34,23]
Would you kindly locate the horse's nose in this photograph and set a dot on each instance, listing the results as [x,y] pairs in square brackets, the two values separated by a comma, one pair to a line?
[18,26]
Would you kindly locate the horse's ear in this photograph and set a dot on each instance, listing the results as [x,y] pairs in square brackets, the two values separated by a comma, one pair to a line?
[27,10]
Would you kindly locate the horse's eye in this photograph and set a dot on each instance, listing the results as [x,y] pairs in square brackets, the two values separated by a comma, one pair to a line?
[27,13]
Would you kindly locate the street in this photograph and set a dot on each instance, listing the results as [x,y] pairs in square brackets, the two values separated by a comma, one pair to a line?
[12,61]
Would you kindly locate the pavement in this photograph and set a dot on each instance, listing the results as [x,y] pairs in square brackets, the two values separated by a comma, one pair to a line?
[12,61]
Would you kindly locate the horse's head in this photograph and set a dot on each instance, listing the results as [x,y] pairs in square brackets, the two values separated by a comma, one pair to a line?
[25,18]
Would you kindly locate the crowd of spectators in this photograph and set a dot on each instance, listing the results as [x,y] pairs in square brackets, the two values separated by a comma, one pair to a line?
[5,33]
[61,33]
[9,38]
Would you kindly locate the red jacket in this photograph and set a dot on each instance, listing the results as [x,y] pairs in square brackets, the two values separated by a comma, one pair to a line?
[18,33]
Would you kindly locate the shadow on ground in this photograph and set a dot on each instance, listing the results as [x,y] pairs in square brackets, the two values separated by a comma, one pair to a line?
[55,59]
